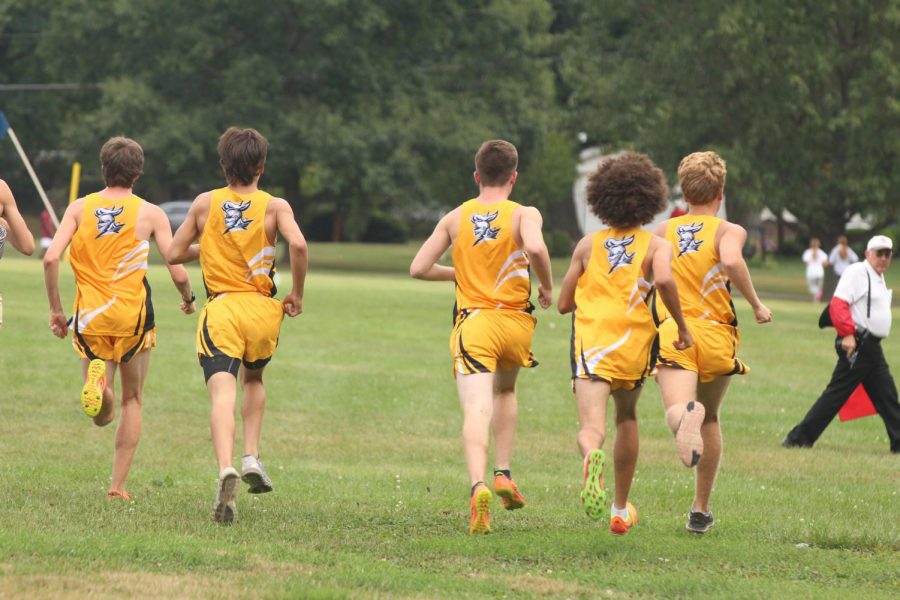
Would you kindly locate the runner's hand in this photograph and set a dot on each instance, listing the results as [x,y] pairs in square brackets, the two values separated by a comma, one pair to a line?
[292,304]
[685,340]
[762,314]
[59,324]
[188,307]
[545,296]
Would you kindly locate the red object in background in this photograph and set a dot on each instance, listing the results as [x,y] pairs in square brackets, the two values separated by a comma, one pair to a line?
[48,230]
[858,405]
[677,212]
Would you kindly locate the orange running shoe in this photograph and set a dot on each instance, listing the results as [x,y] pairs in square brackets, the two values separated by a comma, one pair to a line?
[508,492]
[92,392]
[688,440]
[593,496]
[480,504]
[116,494]
[620,526]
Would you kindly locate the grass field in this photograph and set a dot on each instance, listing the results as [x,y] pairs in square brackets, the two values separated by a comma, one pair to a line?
[362,441]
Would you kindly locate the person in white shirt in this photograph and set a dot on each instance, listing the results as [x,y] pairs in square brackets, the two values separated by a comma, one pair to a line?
[861,313]
[842,256]
[816,260]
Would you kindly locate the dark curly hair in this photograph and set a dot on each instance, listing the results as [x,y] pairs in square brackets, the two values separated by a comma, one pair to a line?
[627,191]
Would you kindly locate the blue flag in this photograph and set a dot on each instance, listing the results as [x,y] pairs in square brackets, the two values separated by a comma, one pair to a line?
[4,125]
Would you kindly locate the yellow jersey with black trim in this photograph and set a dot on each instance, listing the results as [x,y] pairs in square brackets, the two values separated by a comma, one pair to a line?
[112,296]
[703,286]
[491,270]
[235,253]
[612,326]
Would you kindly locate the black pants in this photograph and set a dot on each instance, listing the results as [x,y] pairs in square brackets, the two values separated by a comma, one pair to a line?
[871,370]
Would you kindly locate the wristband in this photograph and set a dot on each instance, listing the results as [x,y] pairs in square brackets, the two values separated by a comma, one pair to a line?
[193,297]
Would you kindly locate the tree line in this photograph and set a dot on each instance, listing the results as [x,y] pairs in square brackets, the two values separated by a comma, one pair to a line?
[374,109]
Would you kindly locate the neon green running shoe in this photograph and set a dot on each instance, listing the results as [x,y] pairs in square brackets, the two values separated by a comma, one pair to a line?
[593,496]
[92,392]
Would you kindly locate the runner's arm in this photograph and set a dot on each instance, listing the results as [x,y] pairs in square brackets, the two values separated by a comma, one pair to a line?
[162,235]
[661,266]
[19,235]
[424,265]
[533,242]
[566,301]
[182,249]
[58,321]
[731,245]
[299,253]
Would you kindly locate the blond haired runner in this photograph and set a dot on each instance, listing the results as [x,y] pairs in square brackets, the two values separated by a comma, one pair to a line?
[112,322]
[495,243]
[707,262]
[609,286]
[239,326]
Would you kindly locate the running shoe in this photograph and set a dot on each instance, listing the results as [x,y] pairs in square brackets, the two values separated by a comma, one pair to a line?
[508,492]
[593,496]
[688,440]
[92,392]
[480,505]
[225,508]
[620,526]
[118,494]
[700,522]
[254,474]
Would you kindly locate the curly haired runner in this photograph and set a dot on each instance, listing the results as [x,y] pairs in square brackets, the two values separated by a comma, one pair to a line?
[609,286]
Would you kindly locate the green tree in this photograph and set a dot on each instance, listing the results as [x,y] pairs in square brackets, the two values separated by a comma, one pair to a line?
[800,98]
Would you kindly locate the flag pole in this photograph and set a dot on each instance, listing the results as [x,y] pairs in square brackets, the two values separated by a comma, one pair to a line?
[4,129]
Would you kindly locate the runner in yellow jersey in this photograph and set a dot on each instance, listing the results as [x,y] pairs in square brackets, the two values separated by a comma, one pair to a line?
[707,261]
[496,243]
[239,326]
[609,287]
[112,319]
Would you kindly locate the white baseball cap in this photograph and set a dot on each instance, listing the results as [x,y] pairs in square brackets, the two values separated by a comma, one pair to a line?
[879,242]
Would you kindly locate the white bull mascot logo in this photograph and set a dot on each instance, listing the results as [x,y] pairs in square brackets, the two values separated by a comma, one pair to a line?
[106,220]
[616,252]
[483,230]
[234,216]
[686,241]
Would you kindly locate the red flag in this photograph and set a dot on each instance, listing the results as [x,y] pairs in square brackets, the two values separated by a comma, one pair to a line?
[857,406]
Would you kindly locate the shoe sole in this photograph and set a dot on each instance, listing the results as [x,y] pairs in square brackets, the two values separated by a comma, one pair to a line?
[256,482]
[509,499]
[92,392]
[688,440]
[593,496]
[225,510]
[481,523]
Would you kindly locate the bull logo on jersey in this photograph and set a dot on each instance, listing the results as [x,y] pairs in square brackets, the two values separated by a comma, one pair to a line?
[106,220]
[617,252]
[483,230]
[234,216]
[686,241]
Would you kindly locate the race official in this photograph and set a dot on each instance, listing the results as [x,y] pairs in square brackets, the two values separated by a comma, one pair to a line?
[861,312]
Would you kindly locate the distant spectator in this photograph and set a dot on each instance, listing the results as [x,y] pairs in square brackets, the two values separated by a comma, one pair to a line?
[678,211]
[48,230]
[842,256]
[816,261]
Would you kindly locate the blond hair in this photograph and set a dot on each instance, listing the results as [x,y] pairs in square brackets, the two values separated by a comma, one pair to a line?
[702,177]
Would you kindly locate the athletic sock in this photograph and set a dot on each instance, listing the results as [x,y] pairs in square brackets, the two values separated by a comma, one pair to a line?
[619,512]
[505,472]
[472,491]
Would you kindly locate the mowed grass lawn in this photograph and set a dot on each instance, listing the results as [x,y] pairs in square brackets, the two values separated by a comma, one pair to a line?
[361,438]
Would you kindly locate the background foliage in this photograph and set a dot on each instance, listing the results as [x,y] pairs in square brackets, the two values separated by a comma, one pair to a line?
[376,107]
